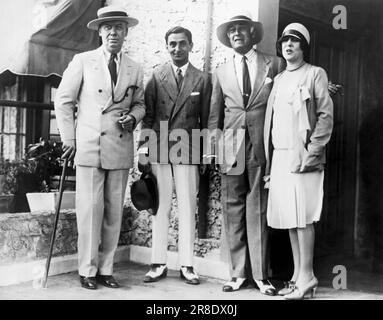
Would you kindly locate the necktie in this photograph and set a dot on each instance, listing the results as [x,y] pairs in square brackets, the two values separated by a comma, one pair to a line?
[179,78]
[245,81]
[113,68]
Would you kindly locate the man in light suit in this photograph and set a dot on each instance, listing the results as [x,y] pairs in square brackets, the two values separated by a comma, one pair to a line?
[241,88]
[110,103]
[177,99]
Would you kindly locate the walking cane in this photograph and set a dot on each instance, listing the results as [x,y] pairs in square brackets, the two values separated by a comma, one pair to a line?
[58,205]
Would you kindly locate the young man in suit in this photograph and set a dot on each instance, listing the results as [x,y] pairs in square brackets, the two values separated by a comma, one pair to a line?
[177,99]
[241,88]
[110,103]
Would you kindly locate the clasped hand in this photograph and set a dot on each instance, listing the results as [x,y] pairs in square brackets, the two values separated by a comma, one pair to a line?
[127,122]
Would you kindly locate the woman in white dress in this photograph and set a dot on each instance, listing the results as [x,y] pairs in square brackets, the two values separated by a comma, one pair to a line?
[298,125]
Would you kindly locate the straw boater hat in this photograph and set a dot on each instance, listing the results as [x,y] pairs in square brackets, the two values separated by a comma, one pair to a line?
[111,13]
[241,17]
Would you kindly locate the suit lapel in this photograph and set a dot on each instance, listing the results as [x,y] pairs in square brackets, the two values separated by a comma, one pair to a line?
[232,79]
[169,82]
[98,64]
[189,82]
[261,73]
[124,73]
[101,64]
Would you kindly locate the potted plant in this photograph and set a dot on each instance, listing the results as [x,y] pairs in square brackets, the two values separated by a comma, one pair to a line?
[2,175]
[46,156]
[18,178]
[4,198]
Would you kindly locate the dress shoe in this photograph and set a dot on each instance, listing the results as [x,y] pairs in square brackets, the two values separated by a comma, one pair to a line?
[156,272]
[287,289]
[265,287]
[88,282]
[189,275]
[234,284]
[301,290]
[107,281]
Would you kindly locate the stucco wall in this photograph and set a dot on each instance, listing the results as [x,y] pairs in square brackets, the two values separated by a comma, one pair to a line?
[146,44]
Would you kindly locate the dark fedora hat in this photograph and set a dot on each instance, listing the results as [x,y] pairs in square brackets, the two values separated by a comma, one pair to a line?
[144,193]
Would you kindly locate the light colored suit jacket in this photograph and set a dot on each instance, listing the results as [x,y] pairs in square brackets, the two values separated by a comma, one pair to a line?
[314,108]
[227,110]
[180,111]
[86,83]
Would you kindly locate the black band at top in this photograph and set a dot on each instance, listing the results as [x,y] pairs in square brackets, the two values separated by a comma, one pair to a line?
[240,18]
[294,32]
[113,14]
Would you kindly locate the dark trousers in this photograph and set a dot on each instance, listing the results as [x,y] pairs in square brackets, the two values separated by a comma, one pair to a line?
[244,203]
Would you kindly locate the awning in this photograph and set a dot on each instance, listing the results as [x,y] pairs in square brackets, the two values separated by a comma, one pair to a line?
[41,37]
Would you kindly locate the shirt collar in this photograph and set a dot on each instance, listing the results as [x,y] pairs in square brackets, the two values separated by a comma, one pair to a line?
[183,68]
[250,55]
[107,55]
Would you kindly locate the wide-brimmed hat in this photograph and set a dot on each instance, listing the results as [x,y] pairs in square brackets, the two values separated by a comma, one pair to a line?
[144,193]
[111,13]
[241,17]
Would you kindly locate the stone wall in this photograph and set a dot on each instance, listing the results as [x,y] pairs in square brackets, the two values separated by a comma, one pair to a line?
[146,45]
[140,223]
[146,42]
[26,236]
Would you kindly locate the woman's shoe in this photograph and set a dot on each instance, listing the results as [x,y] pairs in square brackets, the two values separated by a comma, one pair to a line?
[300,292]
[287,289]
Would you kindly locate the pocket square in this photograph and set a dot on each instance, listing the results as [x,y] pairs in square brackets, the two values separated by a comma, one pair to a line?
[194,94]
[268,80]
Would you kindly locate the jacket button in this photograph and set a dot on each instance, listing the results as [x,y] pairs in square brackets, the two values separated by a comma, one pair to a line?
[99,90]
[103,133]
[121,135]
[243,127]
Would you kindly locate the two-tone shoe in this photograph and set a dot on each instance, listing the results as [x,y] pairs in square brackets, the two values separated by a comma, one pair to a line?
[234,284]
[188,274]
[156,272]
[266,287]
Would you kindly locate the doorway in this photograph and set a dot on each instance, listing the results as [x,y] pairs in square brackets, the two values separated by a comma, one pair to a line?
[339,54]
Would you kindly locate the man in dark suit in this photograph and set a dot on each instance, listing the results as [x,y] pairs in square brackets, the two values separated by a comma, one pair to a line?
[241,88]
[177,99]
